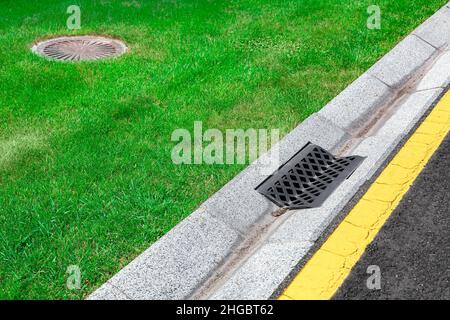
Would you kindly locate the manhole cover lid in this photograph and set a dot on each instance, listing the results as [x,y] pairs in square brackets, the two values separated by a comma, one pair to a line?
[79,48]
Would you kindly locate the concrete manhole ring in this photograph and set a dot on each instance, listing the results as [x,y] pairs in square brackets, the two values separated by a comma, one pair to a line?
[80,48]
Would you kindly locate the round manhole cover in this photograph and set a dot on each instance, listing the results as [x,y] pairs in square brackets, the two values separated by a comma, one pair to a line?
[80,48]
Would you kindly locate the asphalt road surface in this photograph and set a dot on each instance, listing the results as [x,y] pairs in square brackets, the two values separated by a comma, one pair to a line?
[412,250]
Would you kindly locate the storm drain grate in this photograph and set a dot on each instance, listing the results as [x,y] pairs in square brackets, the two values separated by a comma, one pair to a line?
[308,178]
[80,48]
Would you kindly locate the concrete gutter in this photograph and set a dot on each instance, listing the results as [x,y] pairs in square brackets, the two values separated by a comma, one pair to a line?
[231,247]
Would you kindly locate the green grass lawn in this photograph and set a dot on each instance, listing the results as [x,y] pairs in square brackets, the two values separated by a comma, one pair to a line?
[86,176]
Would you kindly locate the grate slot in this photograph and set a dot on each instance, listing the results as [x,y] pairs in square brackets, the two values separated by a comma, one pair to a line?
[308,178]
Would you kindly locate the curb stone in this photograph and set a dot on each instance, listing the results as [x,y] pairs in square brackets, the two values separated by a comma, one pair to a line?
[367,92]
[172,266]
[399,65]
[436,30]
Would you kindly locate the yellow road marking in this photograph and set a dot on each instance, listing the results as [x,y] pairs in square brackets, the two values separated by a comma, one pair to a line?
[324,273]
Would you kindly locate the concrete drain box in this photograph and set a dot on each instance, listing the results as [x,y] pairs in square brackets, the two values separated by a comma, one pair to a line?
[308,178]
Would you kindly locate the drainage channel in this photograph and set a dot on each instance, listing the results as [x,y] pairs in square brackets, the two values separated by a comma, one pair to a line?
[273,219]
[385,112]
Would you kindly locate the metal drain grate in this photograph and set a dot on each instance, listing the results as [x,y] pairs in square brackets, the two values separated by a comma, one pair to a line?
[80,48]
[308,178]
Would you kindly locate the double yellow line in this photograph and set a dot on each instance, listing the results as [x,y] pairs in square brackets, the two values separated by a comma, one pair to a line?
[324,273]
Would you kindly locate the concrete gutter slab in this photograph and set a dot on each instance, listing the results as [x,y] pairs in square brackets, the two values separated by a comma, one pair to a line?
[273,259]
[438,76]
[409,113]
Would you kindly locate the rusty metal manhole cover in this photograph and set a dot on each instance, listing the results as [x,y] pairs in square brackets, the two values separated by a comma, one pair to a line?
[80,48]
